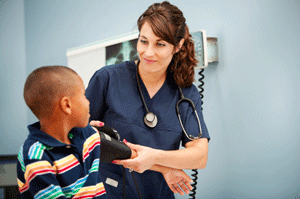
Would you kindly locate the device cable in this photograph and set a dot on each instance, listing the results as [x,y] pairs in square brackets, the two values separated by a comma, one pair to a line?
[124,182]
[136,185]
[195,171]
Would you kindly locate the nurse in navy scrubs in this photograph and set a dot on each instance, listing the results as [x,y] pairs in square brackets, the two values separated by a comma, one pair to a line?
[166,62]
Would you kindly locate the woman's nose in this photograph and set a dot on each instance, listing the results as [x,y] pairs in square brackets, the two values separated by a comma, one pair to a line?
[149,50]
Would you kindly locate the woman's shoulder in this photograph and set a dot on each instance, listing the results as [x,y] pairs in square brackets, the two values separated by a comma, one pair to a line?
[192,93]
[116,68]
[111,74]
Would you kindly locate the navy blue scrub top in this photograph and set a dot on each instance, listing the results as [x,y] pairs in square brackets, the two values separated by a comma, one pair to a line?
[114,99]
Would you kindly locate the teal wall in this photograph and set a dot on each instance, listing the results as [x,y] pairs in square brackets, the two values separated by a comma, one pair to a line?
[251,98]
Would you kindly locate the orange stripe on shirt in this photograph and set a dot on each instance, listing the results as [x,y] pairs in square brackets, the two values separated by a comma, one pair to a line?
[66,164]
[33,170]
[91,191]
[90,144]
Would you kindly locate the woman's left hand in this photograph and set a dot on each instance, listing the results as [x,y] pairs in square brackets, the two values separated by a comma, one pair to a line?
[178,181]
[144,160]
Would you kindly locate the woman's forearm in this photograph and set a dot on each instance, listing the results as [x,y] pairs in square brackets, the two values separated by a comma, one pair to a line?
[160,168]
[194,156]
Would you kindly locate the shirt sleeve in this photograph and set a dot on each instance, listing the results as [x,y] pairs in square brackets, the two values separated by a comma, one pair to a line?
[190,121]
[37,179]
[96,94]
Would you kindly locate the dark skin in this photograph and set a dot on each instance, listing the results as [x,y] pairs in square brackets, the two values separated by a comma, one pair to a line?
[69,112]
[64,112]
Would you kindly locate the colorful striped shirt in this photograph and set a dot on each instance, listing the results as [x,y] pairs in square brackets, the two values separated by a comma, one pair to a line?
[47,168]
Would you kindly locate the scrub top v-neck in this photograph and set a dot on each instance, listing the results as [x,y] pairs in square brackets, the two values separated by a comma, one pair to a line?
[115,99]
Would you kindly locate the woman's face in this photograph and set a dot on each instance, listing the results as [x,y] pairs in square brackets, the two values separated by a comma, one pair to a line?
[155,54]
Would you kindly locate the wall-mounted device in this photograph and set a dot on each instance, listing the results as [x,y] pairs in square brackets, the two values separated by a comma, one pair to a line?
[206,48]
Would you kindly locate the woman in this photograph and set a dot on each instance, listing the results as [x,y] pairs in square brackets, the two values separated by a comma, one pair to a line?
[166,62]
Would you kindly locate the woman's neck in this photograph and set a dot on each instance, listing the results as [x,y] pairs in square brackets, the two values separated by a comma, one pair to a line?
[152,81]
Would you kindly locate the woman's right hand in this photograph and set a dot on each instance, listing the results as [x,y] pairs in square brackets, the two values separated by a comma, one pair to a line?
[96,123]
[178,180]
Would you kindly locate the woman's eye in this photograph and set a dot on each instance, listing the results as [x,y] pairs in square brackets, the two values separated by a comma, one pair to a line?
[161,44]
[143,41]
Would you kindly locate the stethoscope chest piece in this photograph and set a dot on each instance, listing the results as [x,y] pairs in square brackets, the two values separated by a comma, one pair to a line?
[150,120]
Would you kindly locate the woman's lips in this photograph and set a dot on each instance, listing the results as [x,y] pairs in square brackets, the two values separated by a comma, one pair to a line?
[149,61]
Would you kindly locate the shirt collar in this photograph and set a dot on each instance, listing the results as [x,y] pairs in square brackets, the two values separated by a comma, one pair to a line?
[37,134]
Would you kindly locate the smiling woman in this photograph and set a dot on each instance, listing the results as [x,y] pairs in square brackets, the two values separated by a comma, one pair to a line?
[155,55]
[166,27]
[166,62]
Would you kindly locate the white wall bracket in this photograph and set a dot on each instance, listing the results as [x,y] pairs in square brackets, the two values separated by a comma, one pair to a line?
[206,49]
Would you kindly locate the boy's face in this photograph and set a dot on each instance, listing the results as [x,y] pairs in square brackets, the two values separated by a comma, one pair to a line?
[80,105]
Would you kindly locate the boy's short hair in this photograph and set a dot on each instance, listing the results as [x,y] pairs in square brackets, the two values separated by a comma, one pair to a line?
[45,86]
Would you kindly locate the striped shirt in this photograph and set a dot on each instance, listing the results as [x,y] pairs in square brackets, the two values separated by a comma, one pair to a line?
[47,168]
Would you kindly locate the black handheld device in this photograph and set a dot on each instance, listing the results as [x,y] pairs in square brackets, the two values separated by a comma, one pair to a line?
[111,147]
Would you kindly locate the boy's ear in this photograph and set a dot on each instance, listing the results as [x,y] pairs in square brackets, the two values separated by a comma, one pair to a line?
[65,105]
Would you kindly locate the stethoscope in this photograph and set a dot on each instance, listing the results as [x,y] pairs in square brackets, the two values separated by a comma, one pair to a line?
[150,119]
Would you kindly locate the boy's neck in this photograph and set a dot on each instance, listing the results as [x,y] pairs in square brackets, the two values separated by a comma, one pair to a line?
[59,131]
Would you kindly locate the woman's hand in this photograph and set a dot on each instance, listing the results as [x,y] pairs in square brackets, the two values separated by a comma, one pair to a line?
[178,180]
[96,123]
[144,160]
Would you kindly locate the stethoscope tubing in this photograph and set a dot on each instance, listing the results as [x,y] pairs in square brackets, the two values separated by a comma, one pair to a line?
[152,124]
[183,99]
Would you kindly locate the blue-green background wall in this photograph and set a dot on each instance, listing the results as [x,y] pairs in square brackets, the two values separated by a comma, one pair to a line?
[251,98]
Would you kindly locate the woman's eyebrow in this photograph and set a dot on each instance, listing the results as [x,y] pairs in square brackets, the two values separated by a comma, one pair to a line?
[156,40]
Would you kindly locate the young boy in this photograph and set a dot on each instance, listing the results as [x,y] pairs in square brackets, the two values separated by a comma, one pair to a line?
[60,157]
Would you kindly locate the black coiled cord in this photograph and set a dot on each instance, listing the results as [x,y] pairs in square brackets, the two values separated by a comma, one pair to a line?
[194,185]
[200,86]
[195,174]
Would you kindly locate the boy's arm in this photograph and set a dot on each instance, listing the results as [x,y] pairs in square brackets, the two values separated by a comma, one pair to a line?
[37,179]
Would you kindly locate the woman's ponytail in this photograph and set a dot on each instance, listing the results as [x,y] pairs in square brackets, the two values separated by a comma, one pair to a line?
[184,61]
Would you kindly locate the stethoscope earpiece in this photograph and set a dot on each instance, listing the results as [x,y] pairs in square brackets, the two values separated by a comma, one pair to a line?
[150,120]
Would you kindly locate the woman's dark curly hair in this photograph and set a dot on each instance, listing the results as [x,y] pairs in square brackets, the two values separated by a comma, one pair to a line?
[168,23]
